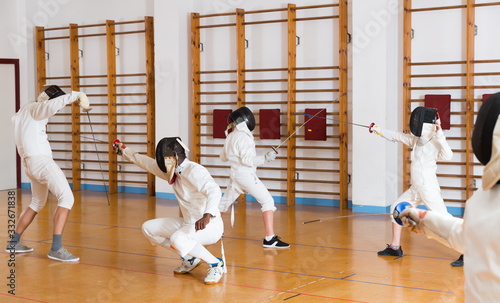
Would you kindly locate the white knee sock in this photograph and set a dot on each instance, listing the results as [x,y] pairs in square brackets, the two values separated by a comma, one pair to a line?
[202,253]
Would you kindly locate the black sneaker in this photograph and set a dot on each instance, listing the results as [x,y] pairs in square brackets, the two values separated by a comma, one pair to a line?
[389,251]
[459,262]
[275,242]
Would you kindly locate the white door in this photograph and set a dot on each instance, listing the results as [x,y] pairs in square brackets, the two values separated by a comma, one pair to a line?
[8,151]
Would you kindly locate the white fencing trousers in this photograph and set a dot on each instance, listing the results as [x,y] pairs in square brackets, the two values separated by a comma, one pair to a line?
[247,182]
[174,233]
[45,175]
[430,196]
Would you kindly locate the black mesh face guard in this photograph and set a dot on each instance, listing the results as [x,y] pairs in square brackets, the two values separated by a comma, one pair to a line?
[419,116]
[482,134]
[165,148]
[54,91]
[243,114]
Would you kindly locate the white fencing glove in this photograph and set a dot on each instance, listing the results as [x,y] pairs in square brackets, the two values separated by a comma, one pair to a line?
[118,147]
[376,129]
[83,100]
[413,218]
[271,156]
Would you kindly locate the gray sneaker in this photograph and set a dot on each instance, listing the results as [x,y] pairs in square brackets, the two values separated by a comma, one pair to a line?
[18,248]
[62,255]
[187,265]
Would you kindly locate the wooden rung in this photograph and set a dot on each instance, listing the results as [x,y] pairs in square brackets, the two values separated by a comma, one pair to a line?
[316,91]
[92,76]
[266,92]
[58,77]
[453,188]
[316,67]
[129,114]
[316,6]
[56,38]
[52,29]
[130,75]
[59,123]
[415,10]
[265,80]
[218,93]
[316,170]
[455,138]
[130,181]
[316,18]
[315,192]
[266,22]
[97,95]
[89,170]
[454,200]
[58,133]
[130,84]
[265,11]
[450,176]
[438,75]
[95,133]
[216,103]
[317,102]
[218,82]
[264,102]
[130,94]
[91,25]
[216,25]
[486,86]
[127,22]
[93,85]
[131,172]
[331,137]
[215,15]
[277,190]
[316,159]
[131,134]
[316,181]
[93,179]
[129,104]
[317,79]
[452,100]
[210,145]
[447,163]
[487,61]
[91,35]
[318,147]
[437,87]
[130,32]
[258,70]
[129,123]
[486,4]
[437,63]
[92,142]
[486,74]
[66,160]
[92,151]
[217,72]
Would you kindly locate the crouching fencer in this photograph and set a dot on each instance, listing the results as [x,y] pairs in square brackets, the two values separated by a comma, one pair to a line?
[44,174]
[476,234]
[198,196]
[239,150]
[429,145]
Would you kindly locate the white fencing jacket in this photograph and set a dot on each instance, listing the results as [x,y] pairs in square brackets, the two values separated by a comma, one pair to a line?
[424,157]
[30,121]
[195,189]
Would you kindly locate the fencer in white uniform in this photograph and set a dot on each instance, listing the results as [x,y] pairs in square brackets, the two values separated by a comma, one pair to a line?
[44,174]
[429,145]
[239,150]
[198,196]
[476,234]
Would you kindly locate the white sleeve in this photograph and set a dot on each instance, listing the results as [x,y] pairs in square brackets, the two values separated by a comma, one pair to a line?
[404,138]
[246,152]
[445,152]
[206,185]
[44,110]
[223,156]
[445,229]
[144,162]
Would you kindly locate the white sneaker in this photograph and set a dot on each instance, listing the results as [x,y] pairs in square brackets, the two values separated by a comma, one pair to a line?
[187,265]
[215,273]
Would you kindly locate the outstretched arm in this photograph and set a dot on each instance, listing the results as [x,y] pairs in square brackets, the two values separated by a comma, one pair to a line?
[44,110]
[144,162]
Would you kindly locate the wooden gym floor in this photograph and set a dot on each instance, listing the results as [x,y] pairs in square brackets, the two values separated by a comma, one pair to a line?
[330,261]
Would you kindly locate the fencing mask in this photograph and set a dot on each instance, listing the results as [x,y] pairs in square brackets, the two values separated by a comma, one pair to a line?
[486,140]
[50,92]
[242,114]
[420,116]
[170,152]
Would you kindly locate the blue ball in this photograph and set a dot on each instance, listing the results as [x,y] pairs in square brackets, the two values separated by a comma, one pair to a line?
[398,210]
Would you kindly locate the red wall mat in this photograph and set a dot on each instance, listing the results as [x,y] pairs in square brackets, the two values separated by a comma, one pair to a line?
[486,96]
[269,120]
[315,129]
[221,118]
[442,103]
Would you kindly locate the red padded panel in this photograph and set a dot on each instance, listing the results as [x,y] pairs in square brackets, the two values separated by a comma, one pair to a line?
[486,96]
[315,129]
[220,122]
[269,120]
[442,104]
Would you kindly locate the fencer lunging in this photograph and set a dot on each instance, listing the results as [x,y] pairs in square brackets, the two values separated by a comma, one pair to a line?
[198,196]
[44,174]
[476,234]
[239,150]
[429,145]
